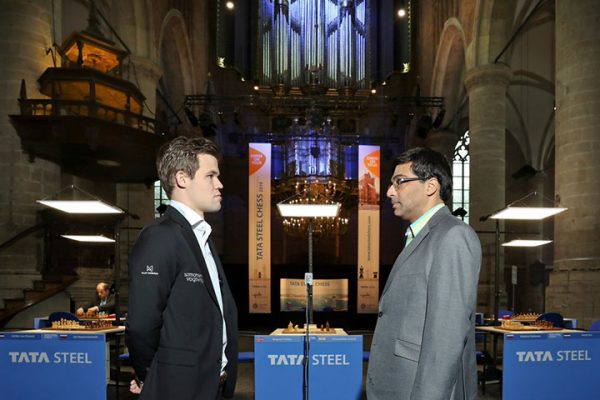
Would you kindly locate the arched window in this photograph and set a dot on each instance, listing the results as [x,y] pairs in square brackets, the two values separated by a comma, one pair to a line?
[160,197]
[461,177]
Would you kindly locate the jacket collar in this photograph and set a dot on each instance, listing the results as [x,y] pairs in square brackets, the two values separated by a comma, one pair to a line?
[408,250]
[192,242]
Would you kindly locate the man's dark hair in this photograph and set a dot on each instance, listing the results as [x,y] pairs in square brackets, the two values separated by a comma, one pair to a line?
[181,154]
[427,163]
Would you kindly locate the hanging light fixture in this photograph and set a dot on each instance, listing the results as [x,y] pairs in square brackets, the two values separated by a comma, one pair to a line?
[74,200]
[314,183]
[89,238]
[312,201]
[526,243]
[521,209]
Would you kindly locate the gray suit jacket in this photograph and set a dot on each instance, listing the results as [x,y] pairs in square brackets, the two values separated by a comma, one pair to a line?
[424,343]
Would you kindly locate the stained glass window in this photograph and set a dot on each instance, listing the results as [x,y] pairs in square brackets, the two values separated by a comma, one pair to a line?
[160,197]
[461,176]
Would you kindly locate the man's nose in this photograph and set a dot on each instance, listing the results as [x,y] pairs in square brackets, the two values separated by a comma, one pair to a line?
[391,191]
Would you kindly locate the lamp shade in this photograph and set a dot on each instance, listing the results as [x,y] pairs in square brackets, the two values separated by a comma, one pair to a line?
[81,206]
[89,238]
[527,213]
[308,210]
[526,243]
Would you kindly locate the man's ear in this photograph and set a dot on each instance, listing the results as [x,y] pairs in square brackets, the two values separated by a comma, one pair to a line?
[181,179]
[432,186]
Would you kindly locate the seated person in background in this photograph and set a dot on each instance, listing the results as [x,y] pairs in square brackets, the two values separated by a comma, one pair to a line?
[104,302]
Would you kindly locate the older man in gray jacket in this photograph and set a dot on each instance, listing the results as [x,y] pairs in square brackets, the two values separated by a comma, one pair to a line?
[424,343]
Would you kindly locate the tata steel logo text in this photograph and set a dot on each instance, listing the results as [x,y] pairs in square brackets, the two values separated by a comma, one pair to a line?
[548,356]
[41,357]
[316,359]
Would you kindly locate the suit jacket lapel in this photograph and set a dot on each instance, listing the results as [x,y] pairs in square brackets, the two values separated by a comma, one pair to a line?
[222,279]
[412,246]
[192,242]
[404,254]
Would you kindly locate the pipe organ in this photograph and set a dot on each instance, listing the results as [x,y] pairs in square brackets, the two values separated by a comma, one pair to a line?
[314,42]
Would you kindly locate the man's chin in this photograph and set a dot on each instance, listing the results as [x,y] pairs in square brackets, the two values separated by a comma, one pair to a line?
[212,208]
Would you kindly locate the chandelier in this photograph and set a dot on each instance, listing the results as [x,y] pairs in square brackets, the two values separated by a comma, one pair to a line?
[315,192]
[315,172]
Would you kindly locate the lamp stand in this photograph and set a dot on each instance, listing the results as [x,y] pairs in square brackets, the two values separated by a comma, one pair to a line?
[117,274]
[497,272]
[309,302]
[308,280]
[496,289]
[117,268]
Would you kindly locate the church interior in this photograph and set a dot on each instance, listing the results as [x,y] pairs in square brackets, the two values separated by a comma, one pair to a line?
[505,89]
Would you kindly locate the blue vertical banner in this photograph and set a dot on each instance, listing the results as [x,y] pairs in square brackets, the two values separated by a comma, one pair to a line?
[335,368]
[551,366]
[52,366]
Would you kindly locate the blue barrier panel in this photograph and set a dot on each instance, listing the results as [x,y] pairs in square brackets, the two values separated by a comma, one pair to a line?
[52,366]
[335,369]
[551,366]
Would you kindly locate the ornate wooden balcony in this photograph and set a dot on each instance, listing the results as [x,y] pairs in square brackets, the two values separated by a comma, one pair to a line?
[89,139]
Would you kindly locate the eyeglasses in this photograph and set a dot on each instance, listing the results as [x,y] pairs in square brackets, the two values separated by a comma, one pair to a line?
[399,180]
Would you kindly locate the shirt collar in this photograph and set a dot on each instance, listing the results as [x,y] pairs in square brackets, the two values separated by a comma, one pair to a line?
[196,220]
[416,226]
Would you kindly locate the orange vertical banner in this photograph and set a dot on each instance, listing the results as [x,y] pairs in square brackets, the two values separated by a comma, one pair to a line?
[259,227]
[369,162]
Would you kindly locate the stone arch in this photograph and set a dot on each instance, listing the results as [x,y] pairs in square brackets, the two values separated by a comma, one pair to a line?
[462,125]
[519,127]
[493,23]
[531,120]
[134,23]
[176,59]
[546,155]
[449,67]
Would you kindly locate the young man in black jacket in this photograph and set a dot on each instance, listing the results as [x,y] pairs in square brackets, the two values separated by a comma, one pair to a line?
[182,324]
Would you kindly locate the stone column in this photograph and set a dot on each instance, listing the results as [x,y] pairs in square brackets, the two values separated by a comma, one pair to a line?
[574,289]
[26,31]
[486,86]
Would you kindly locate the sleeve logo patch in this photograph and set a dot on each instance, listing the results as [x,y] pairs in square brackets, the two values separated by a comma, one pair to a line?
[149,270]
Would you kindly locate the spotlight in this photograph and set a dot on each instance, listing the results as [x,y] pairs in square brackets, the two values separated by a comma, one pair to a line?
[230,5]
[256,87]
[161,208]
[402,13]
[373,87]
[459,212]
